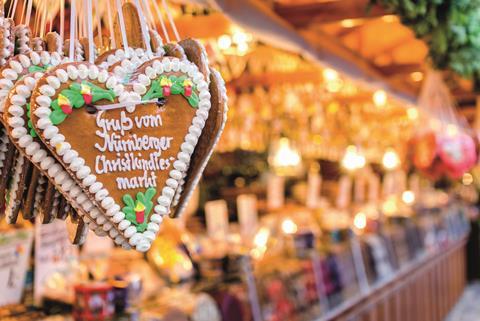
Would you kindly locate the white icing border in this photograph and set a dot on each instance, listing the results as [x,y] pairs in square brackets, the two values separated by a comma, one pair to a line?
[12,192]
[141,241]
[196,179]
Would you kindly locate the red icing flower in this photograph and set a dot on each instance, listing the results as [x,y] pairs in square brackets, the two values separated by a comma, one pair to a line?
[166,84]
[64,104]
[86,93]
[187,85]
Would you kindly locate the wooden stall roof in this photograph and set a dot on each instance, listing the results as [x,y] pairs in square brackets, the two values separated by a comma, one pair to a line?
[375,37]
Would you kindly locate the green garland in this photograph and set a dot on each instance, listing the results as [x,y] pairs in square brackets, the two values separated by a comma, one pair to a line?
[451,29]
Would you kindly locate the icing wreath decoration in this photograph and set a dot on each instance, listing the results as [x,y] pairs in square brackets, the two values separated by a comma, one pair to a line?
[172,85]
[137,211]
[78,95]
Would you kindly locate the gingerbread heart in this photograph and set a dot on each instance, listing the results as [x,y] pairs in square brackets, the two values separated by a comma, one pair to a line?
[128,147]
[18,123]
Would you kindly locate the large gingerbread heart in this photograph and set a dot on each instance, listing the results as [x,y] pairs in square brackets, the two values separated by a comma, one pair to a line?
[126,146]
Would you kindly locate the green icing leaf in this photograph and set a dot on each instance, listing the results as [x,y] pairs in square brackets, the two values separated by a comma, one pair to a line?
[155,91]
[32,131]
[96,96]
[55,105]
[35,68]
[176,89]
[76,99]
[128,200]
[142,227]
[193,99]
[76,86]
[57,116]
[150,193]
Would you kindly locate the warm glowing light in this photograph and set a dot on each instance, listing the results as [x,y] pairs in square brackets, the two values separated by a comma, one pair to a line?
[242,48]
[330,74]
[285,159]
[416,76]
[467,179]
[452,130]
[390,159]
[389,207]
[360,221]
[412,113]
[348,23]
[288,226]
[261,238]
[352,159]
[390,18]
[408,197]
[239,37]
[224,42]
[380,98]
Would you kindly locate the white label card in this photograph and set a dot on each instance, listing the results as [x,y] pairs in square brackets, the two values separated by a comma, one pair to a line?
[344,192]
[15,249]
[216,214]
[275,191]
[313,189]
[247,214]
[53,254]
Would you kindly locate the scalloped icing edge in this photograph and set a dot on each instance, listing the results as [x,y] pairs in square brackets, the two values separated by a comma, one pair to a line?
[35,59]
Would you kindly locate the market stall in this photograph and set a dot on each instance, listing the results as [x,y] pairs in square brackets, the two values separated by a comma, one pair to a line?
[231,160]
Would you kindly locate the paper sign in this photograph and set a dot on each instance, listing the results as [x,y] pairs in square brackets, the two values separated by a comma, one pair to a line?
[53,253]
[344,192]
[275,191]
[373,187]
[359,188]
[216,215]
[15,249]
[313,189]
[247,214]
[414,184]
[388,187]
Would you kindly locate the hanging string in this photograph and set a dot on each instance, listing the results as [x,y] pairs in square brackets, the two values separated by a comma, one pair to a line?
[29,12]
[170,19]
[12,9]
[143,25]
[122,26]
[50,22]
[44,20]
[62,19]
[91,50]
[149,15]
[22,17]
[73,24]
[99,26]
[110,25]
[162,23]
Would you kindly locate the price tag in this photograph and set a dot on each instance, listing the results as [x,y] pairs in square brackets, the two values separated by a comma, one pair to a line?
[247,214]
[313,189]
[216,215]
[275,191]
[15,249]
[53,253]
[344,192]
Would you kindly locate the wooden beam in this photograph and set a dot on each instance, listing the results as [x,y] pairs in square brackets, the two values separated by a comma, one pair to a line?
[303,14]
[399,69]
